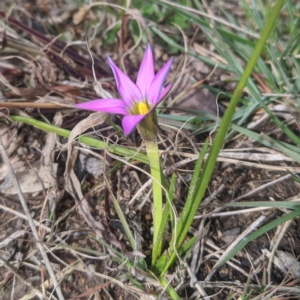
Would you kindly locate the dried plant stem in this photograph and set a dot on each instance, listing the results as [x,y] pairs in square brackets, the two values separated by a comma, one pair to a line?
[31,222]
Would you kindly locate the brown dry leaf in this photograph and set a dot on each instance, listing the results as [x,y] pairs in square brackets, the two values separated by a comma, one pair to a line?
[71,181]
[91,121]
[285,262]
[30,180]
[33,93]
[198,98]
[50,143]
[50,140]
[4,170]
[48,70]
[80,15]
[15,90]
[10,137]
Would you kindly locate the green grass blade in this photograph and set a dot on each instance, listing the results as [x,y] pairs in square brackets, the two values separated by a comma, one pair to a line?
[289,150]
[197,174]
[115,149]
[225,123]
[258,233]
[186,213]
[165,217]
[173,294]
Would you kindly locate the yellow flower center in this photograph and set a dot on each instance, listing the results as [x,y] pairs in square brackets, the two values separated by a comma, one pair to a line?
[143,108]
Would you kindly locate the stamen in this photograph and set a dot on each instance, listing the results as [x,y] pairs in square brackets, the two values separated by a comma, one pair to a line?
[143,108]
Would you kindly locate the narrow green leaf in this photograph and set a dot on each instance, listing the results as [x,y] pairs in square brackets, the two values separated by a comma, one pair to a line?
[225,123]
[187,212]
[115,149]
[258,233]
[165,216]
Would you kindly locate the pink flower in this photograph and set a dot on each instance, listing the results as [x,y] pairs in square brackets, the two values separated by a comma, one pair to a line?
[137,99]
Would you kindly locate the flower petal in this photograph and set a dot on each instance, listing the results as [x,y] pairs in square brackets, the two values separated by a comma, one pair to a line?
[114,106]
[157,83]
[163,93]
[129,122]
[146,72]
[128,91]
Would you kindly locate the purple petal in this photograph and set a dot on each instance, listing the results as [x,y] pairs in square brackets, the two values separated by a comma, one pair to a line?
[146,72]
[164,92]
[127,89]
[114,106]
[129,122]
[157,83]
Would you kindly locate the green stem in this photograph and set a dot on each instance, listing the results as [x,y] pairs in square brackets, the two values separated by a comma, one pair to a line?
[115,149]
[153,156]
[172,293]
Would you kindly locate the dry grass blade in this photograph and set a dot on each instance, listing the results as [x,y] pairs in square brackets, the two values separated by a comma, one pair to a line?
[262,187]
[252,227]
[214,253]
[74,188]
[72,182]
[22,216]
[13,236]
[31,223]
[285,262]
[59,47]
[278,236]
[36,290]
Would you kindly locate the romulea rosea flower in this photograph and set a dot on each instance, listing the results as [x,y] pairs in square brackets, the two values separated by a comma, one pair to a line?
[138,100]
